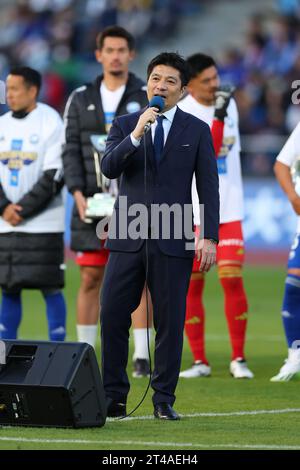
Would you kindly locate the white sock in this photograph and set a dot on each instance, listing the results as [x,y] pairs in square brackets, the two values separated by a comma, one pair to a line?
[87,334]
[140,343]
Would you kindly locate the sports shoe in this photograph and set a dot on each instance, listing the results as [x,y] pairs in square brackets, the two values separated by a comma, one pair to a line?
[198,369]
[141,368]
[239,369]
[291,368]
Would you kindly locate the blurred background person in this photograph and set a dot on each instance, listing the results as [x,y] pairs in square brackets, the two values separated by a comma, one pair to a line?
[31,205]
[219,111]
[289,158]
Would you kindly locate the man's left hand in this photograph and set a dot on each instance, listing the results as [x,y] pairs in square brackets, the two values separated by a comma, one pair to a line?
[206,250]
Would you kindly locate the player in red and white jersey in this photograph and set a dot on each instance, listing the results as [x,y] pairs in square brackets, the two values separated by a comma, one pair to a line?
[214,105]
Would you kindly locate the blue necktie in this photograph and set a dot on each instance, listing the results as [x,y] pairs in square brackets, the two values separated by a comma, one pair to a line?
[158,142]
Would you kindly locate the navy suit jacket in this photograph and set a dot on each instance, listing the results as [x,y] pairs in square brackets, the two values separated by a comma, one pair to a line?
[188,150]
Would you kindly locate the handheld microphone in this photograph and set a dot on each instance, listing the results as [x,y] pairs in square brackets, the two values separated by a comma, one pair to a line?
[156,102]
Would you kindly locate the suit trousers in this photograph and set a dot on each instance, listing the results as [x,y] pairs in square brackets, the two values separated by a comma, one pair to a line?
[168,281]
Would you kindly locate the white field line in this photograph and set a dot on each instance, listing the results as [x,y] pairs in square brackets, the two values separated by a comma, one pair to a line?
[216,415]
[171,444]
[179,445]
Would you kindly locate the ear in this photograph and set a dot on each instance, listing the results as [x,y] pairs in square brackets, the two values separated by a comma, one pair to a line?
[33,91]
[182,91]
[98,55]
[132,55]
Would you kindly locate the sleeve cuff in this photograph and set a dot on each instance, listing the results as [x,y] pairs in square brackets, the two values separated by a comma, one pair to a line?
[135,141]
[4,205]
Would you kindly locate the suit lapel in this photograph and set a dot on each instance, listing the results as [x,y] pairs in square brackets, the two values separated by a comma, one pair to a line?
[179,123]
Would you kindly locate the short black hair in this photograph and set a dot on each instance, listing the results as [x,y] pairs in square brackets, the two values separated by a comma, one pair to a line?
[199,62]
[31,76]
[172,59]
[115,32]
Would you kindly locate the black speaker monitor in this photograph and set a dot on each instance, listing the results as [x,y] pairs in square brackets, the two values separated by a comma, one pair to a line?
[51,384]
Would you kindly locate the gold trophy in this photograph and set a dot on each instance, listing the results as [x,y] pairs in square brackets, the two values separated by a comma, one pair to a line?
[295,173]
[100,204]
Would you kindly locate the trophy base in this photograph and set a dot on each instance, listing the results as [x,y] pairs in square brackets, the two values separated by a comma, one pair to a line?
[99,206]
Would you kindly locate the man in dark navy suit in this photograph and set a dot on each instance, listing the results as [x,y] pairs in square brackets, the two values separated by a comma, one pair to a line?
[177,146]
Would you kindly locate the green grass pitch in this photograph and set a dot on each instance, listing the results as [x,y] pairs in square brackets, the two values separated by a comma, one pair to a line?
[211,407]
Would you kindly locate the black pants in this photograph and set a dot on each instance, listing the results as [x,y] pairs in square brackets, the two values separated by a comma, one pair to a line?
[168,281]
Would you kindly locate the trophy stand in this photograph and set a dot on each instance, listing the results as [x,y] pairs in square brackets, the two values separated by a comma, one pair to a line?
[100,204]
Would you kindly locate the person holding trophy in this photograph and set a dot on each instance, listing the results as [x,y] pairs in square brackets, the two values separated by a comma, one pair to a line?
[88,116]
[287,171]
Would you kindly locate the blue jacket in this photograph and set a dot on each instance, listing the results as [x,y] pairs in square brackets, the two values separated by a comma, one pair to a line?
[188,150]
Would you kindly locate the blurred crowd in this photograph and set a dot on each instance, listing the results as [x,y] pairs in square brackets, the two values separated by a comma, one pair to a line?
[58,36]
[263,71]
[266,73]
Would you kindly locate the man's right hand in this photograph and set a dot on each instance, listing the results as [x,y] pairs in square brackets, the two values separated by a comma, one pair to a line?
[11,214]
[80,201]
[149,115]
[223,96]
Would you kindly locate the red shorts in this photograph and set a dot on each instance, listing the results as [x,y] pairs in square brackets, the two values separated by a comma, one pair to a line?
[93,258]
[230,249]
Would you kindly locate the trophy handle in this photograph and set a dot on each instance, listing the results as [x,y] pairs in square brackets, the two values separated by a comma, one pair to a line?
[97,168]
[101,180]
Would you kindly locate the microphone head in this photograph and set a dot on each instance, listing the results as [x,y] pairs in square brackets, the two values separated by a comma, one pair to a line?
[157,102]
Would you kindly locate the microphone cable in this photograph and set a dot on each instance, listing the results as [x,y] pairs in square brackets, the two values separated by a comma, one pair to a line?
[147,296]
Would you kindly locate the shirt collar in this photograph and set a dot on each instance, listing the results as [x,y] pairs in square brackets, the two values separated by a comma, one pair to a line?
[170,114]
